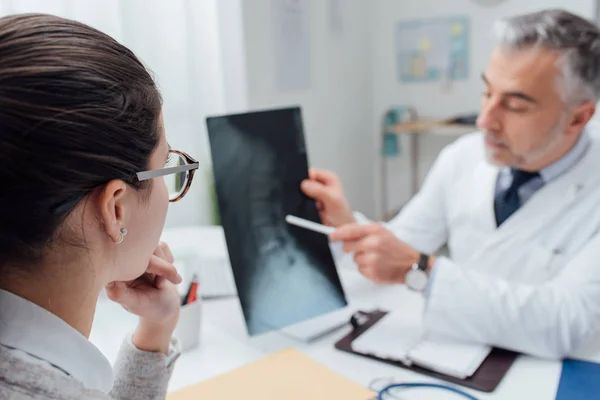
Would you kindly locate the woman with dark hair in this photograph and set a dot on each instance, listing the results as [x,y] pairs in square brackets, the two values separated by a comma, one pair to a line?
[83,199]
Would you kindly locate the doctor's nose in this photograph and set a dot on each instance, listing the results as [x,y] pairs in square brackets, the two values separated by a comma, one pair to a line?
[488,119]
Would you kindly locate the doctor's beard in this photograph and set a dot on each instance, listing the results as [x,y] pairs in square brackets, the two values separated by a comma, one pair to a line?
[551,141]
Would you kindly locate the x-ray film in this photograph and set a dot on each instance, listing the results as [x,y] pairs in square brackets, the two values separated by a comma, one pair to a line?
[284,274]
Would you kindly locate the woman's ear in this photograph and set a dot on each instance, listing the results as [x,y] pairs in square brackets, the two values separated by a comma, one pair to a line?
[111,207]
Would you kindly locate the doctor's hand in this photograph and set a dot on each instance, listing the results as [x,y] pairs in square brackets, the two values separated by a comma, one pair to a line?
[326,189]
[379,254]
[154,298]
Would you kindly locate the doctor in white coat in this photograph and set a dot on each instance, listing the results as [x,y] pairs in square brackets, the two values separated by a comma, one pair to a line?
[517,204]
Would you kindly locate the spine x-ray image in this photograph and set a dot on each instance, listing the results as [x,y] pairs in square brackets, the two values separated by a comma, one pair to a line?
[284,274]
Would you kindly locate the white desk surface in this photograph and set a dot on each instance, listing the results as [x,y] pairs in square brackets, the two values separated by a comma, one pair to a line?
[225,346]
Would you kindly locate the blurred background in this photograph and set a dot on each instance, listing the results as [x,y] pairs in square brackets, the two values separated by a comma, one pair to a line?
[357,68]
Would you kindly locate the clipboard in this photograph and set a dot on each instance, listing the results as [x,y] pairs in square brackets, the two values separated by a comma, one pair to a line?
[485,379]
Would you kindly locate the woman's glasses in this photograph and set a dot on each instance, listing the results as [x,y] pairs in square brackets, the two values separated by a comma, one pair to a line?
[178,173]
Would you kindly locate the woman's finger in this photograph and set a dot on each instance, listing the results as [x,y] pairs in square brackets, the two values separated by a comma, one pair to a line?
[161,282]
[115,290]
[158,251]
[161,267]
[167,254]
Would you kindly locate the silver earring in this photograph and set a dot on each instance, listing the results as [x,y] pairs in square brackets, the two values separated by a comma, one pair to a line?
[123,233]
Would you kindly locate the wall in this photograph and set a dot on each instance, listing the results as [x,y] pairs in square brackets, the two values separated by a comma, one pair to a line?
[212,57]
[233,55]
[430,99]
[337,107]
[179,41]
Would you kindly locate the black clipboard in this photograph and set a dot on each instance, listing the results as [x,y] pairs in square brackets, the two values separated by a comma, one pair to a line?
[485,379]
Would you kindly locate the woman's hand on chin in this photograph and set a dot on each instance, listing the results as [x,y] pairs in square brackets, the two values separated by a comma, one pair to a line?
[154,297]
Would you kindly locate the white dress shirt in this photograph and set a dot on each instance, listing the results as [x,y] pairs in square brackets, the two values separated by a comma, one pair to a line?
[38,336]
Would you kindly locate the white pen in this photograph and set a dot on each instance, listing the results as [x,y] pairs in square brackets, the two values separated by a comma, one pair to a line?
[310,225]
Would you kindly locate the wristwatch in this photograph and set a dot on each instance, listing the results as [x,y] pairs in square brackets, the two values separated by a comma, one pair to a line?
[416,277]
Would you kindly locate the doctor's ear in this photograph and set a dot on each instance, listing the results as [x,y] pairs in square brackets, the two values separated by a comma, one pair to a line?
[580,116]
[112,208]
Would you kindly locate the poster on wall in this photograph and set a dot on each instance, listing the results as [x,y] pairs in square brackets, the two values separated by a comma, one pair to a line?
[432,50]
[291,47]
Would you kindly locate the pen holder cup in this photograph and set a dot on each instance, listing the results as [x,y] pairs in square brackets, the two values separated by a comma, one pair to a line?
[188,329]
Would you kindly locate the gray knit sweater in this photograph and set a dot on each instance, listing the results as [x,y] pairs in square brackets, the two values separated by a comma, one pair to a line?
[139,375]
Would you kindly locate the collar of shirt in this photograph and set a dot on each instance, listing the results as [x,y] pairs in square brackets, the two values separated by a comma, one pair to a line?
[37,332]
[555,169]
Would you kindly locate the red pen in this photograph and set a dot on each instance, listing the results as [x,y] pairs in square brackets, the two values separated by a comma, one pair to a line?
[191,289]
[192,293]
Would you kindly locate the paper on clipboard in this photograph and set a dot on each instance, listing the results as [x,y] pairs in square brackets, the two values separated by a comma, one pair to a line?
[401,337]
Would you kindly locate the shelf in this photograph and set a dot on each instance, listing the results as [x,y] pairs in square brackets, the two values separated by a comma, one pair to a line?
[435,127]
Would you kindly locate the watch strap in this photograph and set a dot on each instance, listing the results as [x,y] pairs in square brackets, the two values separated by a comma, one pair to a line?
[423,262]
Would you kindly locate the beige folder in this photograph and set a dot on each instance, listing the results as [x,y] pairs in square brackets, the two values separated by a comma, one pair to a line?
[286,375]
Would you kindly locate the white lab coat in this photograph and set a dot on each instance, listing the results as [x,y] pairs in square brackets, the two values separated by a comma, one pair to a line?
[531,285]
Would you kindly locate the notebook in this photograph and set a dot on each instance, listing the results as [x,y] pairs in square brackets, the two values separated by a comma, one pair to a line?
[402,338]
[288,375]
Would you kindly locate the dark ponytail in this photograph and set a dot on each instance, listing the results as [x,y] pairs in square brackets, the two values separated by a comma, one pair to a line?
[77,109]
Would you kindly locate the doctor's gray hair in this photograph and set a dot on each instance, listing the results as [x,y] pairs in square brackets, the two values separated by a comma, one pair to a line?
[576,39]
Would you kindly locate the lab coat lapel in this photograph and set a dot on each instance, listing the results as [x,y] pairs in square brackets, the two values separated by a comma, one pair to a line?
[482,207]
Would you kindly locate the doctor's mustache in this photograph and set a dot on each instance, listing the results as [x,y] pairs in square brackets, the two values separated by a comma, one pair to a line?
[491,138]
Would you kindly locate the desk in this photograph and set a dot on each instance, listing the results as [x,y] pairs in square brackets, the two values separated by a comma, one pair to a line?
[225,346]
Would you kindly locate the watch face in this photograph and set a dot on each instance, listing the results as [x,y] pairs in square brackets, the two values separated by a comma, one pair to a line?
[416,279]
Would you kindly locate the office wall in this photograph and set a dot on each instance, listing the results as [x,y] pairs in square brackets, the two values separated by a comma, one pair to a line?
[179,41]
[211,57]
[337,106]
[430,99]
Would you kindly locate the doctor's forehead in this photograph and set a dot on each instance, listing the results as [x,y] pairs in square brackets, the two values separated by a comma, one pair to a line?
[531,71]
